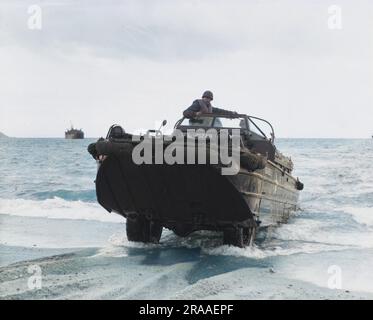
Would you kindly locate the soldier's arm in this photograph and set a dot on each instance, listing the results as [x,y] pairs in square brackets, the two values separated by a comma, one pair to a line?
[222,111]
[192,111]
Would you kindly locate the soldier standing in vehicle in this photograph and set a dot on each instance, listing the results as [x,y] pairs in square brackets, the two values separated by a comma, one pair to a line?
[201,106]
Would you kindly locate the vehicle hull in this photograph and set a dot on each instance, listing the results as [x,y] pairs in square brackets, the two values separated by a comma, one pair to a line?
[185,198]
[270,193]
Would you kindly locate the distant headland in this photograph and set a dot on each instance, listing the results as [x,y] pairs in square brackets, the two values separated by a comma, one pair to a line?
[2,135]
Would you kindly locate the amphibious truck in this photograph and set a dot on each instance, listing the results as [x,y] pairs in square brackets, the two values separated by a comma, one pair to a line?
[186,196]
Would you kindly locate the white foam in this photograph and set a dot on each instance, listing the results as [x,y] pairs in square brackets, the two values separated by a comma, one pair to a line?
[57,208]
[120,240]
[225,250]
[316,231]
[361,215]
[211,244]
[255,252]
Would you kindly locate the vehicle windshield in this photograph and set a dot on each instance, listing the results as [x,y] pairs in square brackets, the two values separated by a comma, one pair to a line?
[221,122]
[197,122]
[259,128]
[216,122]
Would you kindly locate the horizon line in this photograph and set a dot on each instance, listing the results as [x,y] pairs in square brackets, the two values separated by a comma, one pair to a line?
[59,137]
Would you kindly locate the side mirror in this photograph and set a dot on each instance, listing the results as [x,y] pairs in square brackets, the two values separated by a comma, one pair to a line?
[157,132]
[164,122]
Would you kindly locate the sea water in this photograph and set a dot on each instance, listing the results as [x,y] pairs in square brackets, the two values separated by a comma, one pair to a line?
[48,207]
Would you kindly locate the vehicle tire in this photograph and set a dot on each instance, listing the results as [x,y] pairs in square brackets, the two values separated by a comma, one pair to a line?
[234,237]
[239,237]
[140,229]
[249,236]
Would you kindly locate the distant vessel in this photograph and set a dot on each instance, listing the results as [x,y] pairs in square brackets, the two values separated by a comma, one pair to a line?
[74,133]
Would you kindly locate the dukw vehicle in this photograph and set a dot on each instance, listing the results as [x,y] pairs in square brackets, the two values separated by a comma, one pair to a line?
[190,197]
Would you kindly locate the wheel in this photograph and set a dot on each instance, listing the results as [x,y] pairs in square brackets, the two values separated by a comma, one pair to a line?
[249,235]
[239,237]
[234,237]
[140,229]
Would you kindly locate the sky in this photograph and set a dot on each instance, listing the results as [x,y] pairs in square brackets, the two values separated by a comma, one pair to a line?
[303,65]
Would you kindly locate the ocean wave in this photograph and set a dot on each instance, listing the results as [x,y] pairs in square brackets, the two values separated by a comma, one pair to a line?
[70,195]
[211,243]
[57,208]
[362,215]
[325,232]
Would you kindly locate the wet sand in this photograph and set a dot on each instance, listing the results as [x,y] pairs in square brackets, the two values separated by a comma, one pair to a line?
[155,273]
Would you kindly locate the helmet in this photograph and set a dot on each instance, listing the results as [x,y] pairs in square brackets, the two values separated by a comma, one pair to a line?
[208,94]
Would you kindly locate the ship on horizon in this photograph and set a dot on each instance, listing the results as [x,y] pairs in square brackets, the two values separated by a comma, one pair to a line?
[73,133]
